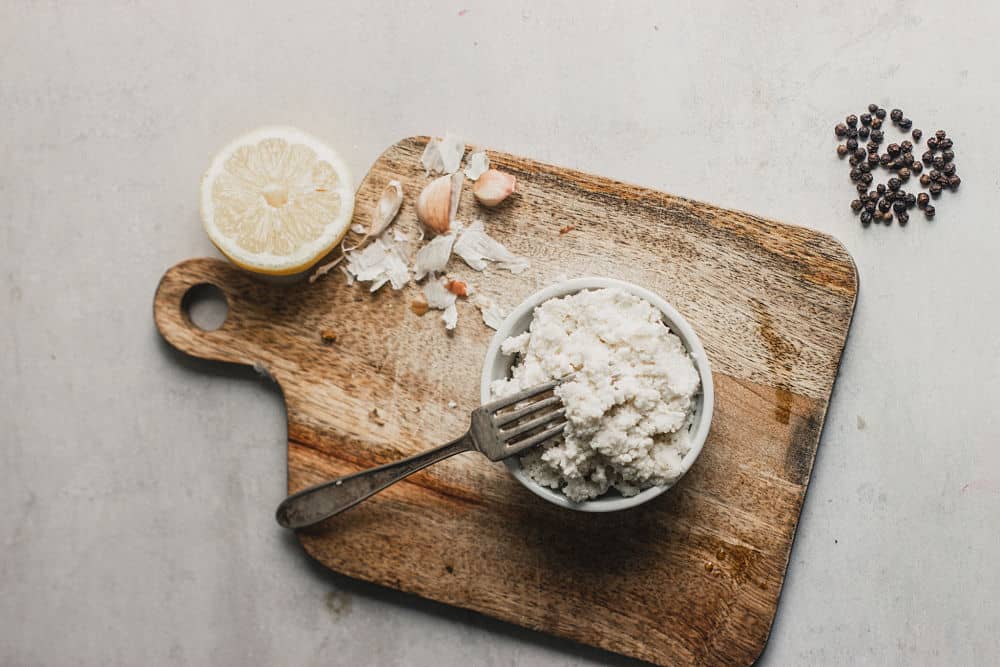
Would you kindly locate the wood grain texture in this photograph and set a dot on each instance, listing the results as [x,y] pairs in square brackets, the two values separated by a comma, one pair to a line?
[693,577]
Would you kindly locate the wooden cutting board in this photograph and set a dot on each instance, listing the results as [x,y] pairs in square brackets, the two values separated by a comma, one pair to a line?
[691,578]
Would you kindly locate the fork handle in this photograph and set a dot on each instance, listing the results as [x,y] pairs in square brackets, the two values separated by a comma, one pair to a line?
[320,502]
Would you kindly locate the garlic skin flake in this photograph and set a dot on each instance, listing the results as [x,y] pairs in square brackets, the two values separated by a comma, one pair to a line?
[477,164]
[434,256]
[443,156]
[493,187]
[452,150]
[379,263]
[476,248]
[439,298]
[493,315]
[385,212]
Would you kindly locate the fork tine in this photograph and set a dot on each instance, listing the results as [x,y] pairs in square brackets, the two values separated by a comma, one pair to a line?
[520,429]
[508,401]
[508,417]
[537,439]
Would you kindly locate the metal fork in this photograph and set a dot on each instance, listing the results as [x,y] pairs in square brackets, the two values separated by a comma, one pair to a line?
[494,433]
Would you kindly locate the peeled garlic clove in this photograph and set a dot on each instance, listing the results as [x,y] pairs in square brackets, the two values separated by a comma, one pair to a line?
[434,205]
[493,186]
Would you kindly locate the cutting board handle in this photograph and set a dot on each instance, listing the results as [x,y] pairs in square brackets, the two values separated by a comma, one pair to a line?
[234,341]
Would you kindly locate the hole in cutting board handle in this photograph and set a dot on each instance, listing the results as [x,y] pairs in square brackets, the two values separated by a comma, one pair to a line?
[205,306]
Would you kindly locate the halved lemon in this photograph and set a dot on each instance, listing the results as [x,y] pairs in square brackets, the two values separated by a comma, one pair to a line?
[276,201]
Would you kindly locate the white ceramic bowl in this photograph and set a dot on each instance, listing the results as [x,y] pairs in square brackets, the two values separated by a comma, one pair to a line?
[497,365]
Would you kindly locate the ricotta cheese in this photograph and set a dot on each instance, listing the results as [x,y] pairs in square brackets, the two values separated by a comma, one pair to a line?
[628,404]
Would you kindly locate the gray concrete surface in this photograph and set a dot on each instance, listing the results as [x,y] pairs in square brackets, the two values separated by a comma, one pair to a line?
[138,487]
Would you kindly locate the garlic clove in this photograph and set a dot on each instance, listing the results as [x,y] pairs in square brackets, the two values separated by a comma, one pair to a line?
[437,203]
[493,186]
[387,208]
[434,205]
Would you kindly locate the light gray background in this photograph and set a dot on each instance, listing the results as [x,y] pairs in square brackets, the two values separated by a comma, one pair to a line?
[138,487]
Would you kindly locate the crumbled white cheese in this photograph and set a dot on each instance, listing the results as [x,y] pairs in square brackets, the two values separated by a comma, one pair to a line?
[434,256]
[629,404]
[452,404]
[477,164]
[477,248]
[358,228]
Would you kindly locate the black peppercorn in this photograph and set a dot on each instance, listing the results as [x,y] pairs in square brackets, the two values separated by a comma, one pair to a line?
[929,211]
[923,199]
[866,218]
[863,132]
[893,149]
[893,183]
[904,173]
[851,120]
[935,175]
[896,115]
[880,113]
[905,124]
[945,144]
[940,134]
[935,189]
[855,175]
[884,159]
[842,150]
[899,205]
[852,132]
[862,190]
[852,144]
[865,118]
[948,155]
[917,134]
[877,136]
[853,161]
[840,130]
[869,205]
[876,123]
[907,156]
[873,108]
[872,147]
[911,200]
[880,188]
[906,145]
[916,167]
[856,205]
[872,158]
[927,157]
[954,182]
[864,167]
[925,180]
[938,161]
[903,217]
[947,170]
[860,154]
[884,205]
[932,143]
[867,178]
